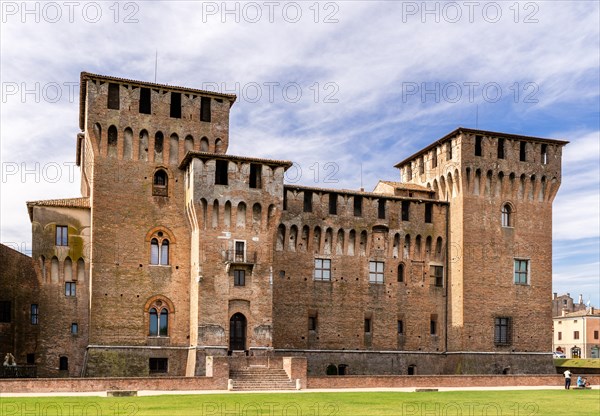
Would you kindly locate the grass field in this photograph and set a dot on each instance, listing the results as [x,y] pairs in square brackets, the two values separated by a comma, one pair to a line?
[522,403]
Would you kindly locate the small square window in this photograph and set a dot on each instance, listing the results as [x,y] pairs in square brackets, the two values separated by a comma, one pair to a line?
[322,270]
[239,278]
[70,289]
[437,275]
[376,269]
[62,237]
[560,336]
[575,334]
[433,327]
[5,311]
[368,325]
[595,334]
[74,328]
[400,327]
[158,365]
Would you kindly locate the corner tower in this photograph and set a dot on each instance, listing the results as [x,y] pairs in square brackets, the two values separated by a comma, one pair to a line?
[500,188]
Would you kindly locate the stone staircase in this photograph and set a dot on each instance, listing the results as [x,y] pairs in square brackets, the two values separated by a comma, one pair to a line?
[261,378]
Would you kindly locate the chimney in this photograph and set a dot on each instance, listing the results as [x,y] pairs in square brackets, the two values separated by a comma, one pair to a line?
[554,295]
[581,299]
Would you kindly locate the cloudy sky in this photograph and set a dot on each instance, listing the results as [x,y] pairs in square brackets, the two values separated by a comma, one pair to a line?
[337,87]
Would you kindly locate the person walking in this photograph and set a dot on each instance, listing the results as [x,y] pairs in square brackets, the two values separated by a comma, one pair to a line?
[567,374]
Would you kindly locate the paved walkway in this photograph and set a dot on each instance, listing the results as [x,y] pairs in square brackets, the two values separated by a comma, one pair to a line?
[391,389]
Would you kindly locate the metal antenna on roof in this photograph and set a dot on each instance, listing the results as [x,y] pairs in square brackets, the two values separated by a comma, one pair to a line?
[155,65]
[361,180]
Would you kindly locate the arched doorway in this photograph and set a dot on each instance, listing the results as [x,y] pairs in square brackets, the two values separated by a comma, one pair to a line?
[237,332]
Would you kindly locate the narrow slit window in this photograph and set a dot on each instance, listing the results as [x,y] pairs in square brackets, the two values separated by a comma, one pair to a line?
[145,103]
[205,109]
[333,204]
[307,201]
[255,176]
[544,154]
[428,212]
[500,148]
[113,96]
[175,105]
[221,172]
[523,151]
[358,206]
[405,210]
[381,209]
[478,147]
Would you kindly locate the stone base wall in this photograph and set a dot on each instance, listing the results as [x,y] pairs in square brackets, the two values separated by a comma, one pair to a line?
[400,363]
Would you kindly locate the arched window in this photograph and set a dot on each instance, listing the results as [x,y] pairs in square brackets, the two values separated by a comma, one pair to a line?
[158,314]
[160,183]
[401,272]
[507,220]
[159,250]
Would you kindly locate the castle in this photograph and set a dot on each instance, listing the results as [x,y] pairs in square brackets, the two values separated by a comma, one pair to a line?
[178,250]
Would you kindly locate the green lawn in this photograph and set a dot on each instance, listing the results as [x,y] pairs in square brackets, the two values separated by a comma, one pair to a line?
[524,402]
[577,362]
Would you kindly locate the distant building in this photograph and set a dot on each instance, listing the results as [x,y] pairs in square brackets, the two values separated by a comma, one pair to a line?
[577,334]
[565,303]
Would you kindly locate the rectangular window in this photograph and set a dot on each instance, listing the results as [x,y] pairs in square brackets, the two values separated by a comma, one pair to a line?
[433,326]
[159,365]
[595,334]
[240,251]
[322,269]
[400,327]
[222,166]
[421,165]
[307,201]
[405,210]
[368,325]
[500,148]
[376,271]
[30,359]
[34,314]
[175,105]
[437,275]
[145,103]
[521,272]
[560,336]
[381,209]
[333,204]
[358,206]
[255,176]
[312,323]
[5,311]
[74,328]
[239,278]
[62,235]
[544,154]
[205,109]
[575,334]
[523,151]
[285,199]
[502,331]
[478,141]
[434,158]
[428,212]
[70,289]
[113,96]
[449,150]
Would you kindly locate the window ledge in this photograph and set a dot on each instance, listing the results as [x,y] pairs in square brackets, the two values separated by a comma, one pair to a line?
[160,265]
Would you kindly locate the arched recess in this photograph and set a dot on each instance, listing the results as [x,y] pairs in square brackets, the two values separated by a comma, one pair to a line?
[499,184]
[317,240]
[97,131]
[54,269]
[68,269]
[128,144]
[451,191]
[418,247]
[227,215]
[396,246]
[363,243]
[438,249]
[293,238]
[80,270]
[270,215]
[174,149]
[112,140]
[241,215]
[143,146]
[204,144]
[188,143]
[215,214]
[477,182]
[159,139]
[303,244]
[351,242]
[328,241]
[280,238]
[257,214]
[219,147]
[428,246]
[339,246]
[406,251]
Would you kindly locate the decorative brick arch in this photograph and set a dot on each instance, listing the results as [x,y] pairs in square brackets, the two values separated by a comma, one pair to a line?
[153,301]
[168,234]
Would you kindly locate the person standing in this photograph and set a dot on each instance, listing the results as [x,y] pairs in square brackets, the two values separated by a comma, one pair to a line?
[567,374]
